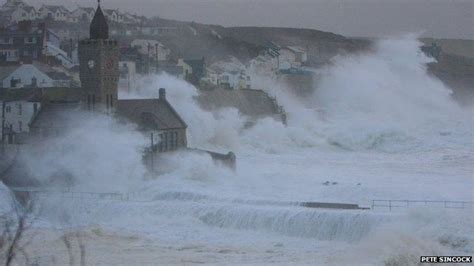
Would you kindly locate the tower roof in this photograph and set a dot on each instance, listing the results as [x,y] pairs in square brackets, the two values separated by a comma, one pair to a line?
[99,28]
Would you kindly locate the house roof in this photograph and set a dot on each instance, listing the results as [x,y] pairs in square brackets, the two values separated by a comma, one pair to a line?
[55,115]
[33,95]
[150,113]
[51,72]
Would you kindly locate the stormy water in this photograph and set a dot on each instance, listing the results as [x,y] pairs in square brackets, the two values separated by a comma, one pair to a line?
[377,126]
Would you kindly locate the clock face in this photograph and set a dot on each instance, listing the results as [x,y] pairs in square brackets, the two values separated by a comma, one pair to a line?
[91,64]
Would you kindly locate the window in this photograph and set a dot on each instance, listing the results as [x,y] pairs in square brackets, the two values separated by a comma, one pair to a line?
[161,142]
[20,111]
[8,109]
[20,126]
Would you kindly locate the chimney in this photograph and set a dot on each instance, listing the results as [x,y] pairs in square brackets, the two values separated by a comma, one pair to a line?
[162,94]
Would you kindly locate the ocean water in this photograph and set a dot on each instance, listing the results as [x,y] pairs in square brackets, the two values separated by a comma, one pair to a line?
[377,127]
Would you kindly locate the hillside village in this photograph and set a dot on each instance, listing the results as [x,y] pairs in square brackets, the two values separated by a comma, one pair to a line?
[40,54]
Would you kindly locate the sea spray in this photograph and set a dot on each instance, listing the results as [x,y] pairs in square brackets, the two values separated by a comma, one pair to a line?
[96,153]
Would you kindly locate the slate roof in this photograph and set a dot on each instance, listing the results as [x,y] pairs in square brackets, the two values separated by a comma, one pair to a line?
[150,113]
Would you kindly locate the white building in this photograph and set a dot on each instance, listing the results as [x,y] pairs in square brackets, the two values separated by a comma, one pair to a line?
[113,15]
[128,75]
[11,5]
[83,14]
[30,76]
[18,114]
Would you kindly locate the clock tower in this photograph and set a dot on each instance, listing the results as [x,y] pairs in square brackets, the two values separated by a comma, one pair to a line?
[99,68]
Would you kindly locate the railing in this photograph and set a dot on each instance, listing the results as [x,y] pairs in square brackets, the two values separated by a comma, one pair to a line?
[391,204]
[80,195]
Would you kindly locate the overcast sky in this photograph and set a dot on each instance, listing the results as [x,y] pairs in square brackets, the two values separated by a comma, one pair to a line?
[374,18]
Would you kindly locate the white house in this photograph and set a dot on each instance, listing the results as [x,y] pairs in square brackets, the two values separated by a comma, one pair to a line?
[113,15]
[30,76]
[23,13]
[18,114]
[152,48]
[56,13]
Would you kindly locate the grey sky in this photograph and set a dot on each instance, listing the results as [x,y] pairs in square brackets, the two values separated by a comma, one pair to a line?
[437,18]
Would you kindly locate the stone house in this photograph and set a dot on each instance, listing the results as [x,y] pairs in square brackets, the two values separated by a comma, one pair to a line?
[23,13]
[158,119]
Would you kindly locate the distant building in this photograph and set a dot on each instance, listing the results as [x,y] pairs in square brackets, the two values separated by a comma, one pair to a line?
[83,14]
[27,41]
[113,15]
[18,111]
[234,80]
[22,13]
[291,57]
